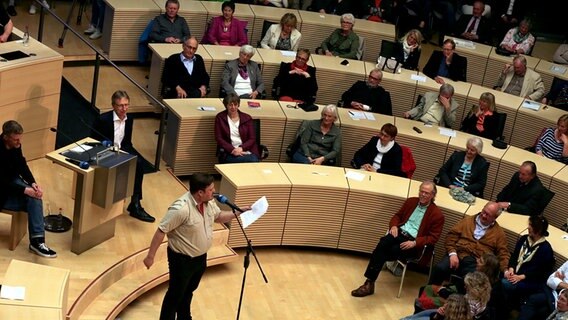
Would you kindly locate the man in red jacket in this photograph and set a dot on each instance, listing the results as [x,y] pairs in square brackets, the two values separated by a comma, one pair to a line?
[417,223]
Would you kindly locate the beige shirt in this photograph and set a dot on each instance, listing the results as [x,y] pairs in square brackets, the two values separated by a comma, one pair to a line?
[188,231]
[434,114]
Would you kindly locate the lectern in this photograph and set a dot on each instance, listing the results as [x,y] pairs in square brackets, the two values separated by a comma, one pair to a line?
[99,193]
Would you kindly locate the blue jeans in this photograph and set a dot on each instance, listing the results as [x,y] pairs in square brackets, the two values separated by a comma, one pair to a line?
[423,315]
[98,14]
[299,157]
[240,159]
[34,208]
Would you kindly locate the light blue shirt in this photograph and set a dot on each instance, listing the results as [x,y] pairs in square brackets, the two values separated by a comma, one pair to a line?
[411,226]
[188,63]
[480,229]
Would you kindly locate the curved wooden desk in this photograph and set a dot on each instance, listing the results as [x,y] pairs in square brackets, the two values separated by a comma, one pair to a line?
[318,206]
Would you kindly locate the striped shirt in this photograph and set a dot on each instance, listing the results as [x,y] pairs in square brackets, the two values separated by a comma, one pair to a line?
[550,147]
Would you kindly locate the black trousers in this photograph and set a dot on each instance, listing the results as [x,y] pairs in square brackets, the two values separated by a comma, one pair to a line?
[185,275]
[442,270]
[388,249]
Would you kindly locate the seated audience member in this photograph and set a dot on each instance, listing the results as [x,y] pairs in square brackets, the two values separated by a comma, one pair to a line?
[336,7]
[524,193]
[226,30]
[480,120]
[446,64]
[558,94]
[342,42]
[410,48]
[542,302]
[381,154]
[530,264]
[517,80]
[184,73]
[561,54]
[368,95]
[436,107]
[561,311]
[235,134]
[489,265]
[6,25]
[466,169]
[20,191]
[412,14]
[170,27]
[321,140]
[508,13]
[456,307]
[242,75]
[419,222]
[379,11]
[297,80]
[475,26]
[518,40]
[553,143]
[468,240]
[283,35]
[274,3]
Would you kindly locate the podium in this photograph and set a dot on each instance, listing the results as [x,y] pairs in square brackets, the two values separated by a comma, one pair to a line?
[99,193]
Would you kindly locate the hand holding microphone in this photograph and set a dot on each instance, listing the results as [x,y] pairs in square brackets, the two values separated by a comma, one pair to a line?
[224,200]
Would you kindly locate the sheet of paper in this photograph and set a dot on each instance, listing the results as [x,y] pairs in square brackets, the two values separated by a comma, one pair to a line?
[531,105]
[447,132]
[357,176]
[205,108]
[259,208]
[557,69]
[419,78]
[83,147]
[287,53]
[369,116]
[464,43]
[12,292]
[357,115]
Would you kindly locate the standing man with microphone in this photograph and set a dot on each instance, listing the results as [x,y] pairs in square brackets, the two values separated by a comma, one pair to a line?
[116,127]
[189,226]
[20,192]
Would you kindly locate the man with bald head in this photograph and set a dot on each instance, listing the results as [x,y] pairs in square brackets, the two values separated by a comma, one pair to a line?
[517,80]
[525,193]
[468,240]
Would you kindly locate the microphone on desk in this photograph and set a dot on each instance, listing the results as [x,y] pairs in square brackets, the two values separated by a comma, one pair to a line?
[81,164]
[106,141]
[75,142]
[224,200]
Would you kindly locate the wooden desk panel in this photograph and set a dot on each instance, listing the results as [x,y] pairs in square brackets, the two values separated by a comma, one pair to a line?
[355,133]
[496,63]
[294,118]
[316,27]
[162,51]
[242,12]
[123,19]
[373,34]
[558,240]
[334,78]
[273,14]
[477,57]
[367,215]
[556,212]
[529,124]
[428,148]
[314,214]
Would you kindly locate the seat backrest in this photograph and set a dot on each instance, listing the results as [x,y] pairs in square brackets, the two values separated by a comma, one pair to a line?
[388,49]
[501,120]
[295,145]
[361,48]
[143,41]
[261,148]
[546,197]
[408,164]
[265,26]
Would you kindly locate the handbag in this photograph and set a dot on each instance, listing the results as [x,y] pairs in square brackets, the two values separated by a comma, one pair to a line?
[389,64]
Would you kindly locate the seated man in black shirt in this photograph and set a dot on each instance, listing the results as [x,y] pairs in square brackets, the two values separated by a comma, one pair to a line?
[446,64]
[525,193]
[368,95]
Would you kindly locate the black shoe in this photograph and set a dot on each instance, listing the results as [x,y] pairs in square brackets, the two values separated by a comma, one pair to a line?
[11,11]
[42,250]
[136,211]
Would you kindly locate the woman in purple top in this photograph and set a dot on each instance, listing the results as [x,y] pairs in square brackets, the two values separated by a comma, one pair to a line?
[226,30]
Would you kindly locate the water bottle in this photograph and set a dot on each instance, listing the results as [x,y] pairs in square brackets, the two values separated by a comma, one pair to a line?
[26,37]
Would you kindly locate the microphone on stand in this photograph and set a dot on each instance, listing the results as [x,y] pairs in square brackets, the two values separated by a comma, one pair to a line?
[75,142]
[224,200]
[106,142]
[81,164]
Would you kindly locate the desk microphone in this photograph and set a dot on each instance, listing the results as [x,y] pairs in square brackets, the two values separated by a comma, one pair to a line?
[72,140]
[106,141]
[224,200]
[81,164]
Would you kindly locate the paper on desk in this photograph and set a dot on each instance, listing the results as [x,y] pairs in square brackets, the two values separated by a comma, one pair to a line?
[369,116]
[357,115]
[531,105]
[204,108]
[80,149]
[12,292]
[557,69]
[259,208]
[464,43]
[447,132]
[287,53]
[417,78]
[357,176]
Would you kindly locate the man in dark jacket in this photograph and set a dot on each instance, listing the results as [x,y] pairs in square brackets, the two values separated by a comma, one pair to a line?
[368,95]
[446,64]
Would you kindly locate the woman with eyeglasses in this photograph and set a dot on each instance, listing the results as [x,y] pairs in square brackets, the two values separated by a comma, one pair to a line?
[342,42]
[296,81]
[242,76]
[226,30]
[381,154]
[283,35]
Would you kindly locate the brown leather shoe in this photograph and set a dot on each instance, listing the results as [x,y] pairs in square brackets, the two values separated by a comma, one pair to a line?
[366,289]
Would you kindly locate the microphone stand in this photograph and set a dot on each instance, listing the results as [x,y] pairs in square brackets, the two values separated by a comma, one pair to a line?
[246,263]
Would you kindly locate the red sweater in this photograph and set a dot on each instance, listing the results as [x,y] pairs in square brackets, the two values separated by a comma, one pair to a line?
[431,226]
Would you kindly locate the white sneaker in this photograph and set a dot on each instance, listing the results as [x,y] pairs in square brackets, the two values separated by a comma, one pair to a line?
[97,34]
[33,8]
[91,30]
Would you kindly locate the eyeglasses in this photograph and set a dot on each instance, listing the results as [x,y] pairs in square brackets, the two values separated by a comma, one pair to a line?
[374,78]
[301,58]
[124,105]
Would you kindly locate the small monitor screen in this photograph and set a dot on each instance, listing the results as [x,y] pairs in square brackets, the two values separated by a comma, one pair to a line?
[13,55]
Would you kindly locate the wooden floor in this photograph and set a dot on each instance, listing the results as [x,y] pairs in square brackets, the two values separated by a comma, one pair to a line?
[303,284]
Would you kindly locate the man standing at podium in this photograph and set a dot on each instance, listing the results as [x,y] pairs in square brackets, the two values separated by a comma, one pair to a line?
[116,126]
[20,192]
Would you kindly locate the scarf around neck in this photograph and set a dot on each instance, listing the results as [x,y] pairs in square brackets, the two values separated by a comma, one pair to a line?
[243,71]
[528,250]
[518,37]
[384,149]
[295,66]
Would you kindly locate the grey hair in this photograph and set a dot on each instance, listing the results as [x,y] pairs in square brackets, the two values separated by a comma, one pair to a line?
[348,17]
[521,59]
[332,108]
[247,49]
[447,88]
[475,142]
